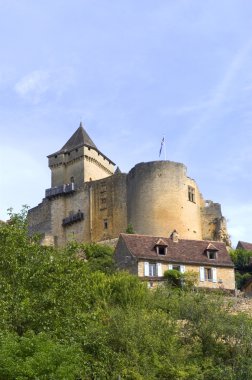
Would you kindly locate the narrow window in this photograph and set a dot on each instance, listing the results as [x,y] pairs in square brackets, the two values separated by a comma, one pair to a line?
[72,179]
[208,274]
[105,224]
[152,270]
[191,194]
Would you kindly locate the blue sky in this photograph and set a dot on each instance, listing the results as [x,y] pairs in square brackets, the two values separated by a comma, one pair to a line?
[133,72]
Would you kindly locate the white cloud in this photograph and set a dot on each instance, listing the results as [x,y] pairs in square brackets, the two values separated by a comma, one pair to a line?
[36,85]
[33,85]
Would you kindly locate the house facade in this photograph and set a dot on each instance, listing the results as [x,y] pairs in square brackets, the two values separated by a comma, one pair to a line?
[149,257]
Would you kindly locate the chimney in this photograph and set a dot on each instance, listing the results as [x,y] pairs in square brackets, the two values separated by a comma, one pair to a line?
[174,236]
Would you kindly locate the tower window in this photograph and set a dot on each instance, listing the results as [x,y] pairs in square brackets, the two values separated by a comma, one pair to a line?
[191,194]
[105,224]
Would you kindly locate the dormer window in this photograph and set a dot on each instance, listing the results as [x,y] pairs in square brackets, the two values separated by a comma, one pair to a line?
[161,250]
[212,255]
[161,247]
[211,252]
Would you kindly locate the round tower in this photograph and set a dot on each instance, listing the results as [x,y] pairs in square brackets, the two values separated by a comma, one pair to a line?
[161,198]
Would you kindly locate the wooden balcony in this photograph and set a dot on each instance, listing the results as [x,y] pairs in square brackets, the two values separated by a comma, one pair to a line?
[59,190]
[73,219]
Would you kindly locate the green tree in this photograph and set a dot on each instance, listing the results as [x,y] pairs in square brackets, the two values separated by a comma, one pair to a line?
[66,314]
[241,258]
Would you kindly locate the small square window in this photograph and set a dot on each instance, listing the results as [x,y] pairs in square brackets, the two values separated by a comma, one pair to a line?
[161,250]
[211,255]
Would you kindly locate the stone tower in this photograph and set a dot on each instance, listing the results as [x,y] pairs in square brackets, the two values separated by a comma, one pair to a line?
[161,198]
[78,161]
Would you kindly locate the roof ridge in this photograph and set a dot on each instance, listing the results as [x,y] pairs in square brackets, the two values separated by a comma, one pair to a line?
[167,237]
[79,138]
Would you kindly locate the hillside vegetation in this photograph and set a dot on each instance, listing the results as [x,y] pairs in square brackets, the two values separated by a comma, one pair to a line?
[68,314]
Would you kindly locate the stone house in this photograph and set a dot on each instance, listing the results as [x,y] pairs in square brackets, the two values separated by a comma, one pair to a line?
[150,256]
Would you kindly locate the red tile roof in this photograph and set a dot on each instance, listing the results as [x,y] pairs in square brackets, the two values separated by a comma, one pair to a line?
[183,251]
[244,245]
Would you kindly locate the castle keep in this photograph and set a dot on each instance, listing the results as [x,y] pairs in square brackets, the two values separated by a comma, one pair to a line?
[90,201]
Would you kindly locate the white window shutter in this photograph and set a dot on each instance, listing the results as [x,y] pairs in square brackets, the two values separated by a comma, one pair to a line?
[146,268]
[202,273]
[169,266]
[159,270]
[214,271]
[182,268]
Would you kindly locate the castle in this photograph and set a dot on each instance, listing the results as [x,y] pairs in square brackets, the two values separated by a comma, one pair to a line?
[90,201]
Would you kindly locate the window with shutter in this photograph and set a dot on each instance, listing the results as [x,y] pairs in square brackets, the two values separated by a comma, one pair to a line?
[214,274]
[146,269]
[202,274]
[159,270]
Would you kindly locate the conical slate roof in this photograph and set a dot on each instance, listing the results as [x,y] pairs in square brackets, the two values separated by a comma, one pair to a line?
[79,138]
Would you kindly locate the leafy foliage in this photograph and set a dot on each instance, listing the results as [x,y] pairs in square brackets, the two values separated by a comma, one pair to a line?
[185,280]
[68,314]
[130,229]
[242,260]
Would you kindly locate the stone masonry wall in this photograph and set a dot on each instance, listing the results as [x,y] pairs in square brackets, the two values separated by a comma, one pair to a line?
[96,165]
[157,200]
[108,207]
[63,207]
[39,218]
[213,223]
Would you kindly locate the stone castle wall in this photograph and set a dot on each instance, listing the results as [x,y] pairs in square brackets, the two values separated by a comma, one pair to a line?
[96,165]
[39,218]
[214,225]
[108,208]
